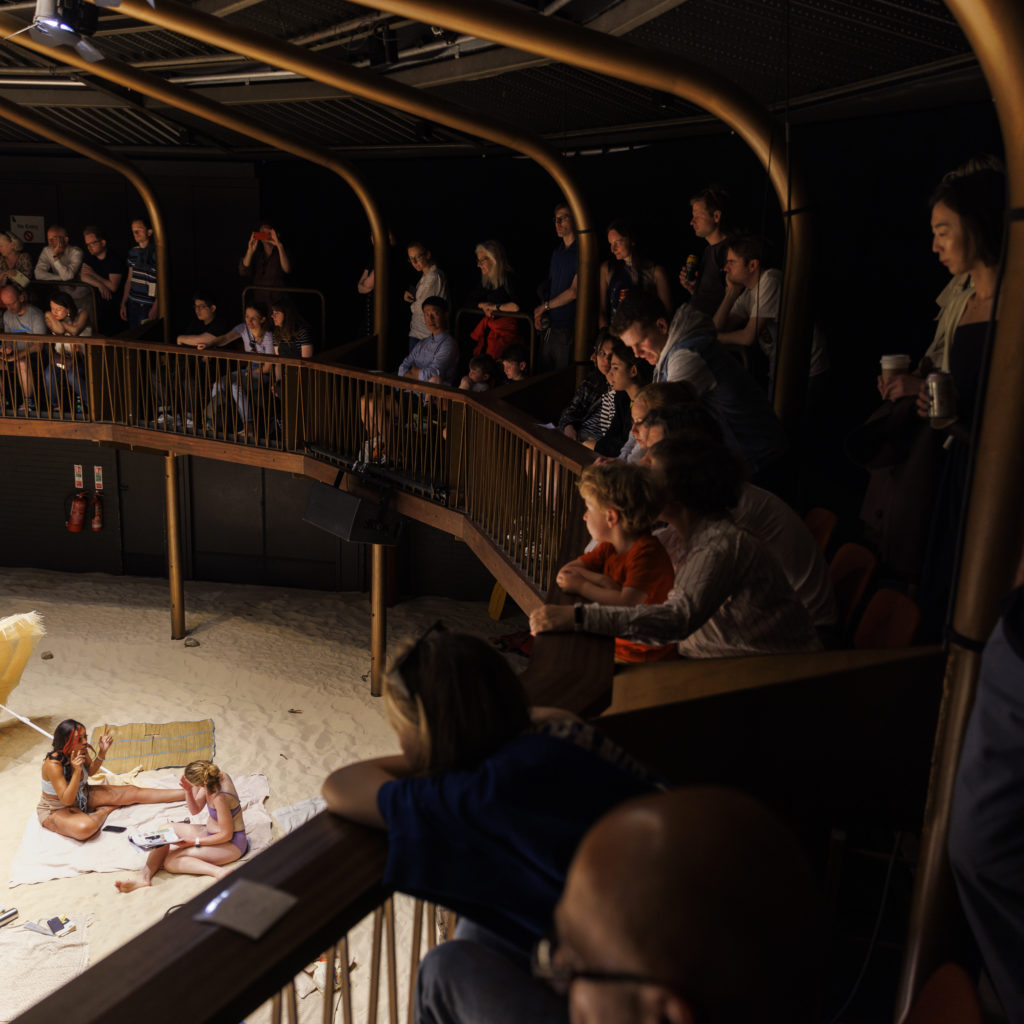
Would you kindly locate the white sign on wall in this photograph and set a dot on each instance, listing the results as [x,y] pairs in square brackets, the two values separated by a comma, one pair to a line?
[29,229]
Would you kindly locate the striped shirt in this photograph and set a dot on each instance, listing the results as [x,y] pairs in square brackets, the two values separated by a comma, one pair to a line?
[596,425]
[142,265]
[730,599]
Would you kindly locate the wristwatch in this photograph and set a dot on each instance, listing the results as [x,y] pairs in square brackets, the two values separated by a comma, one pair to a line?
[577,616]
[197,844]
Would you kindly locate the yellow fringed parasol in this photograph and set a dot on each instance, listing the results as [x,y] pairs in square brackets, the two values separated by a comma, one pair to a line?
[18,637]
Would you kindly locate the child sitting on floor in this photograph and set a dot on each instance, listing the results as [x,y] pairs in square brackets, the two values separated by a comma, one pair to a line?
[515,361]
[628,566]
[482,370]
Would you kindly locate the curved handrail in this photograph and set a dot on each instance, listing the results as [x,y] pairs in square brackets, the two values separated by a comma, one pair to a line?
[438,448]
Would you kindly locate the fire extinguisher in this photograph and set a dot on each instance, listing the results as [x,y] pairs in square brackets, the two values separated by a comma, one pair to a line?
[76,516]
[97,512]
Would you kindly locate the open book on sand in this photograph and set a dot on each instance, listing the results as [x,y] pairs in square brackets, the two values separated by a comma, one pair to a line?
[154,837]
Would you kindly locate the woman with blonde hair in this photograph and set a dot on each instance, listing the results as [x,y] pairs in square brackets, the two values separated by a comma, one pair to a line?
[498,293]
[15,265]
[488,799]
[200,849]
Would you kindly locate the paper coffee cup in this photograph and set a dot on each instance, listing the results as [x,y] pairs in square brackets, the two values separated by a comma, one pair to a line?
[894,365]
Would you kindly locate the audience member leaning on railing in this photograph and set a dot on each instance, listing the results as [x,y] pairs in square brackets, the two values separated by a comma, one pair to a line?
[484,808]
[66,368]
[730,596]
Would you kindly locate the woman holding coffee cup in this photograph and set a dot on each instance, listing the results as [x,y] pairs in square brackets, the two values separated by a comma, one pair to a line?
[967,229]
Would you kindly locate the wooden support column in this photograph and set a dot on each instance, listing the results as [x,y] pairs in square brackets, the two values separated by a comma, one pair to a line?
[378,618]
[174,546]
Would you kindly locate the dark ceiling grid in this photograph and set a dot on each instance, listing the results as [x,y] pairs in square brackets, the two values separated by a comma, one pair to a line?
[834,42]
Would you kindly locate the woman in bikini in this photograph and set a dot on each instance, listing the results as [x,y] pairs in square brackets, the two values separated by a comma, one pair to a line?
[71,806]
[200,849]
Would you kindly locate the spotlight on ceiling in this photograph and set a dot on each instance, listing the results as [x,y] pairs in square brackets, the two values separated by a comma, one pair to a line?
[66,23]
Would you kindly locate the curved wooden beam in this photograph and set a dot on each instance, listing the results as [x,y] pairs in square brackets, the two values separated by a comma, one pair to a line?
[564,41]
[277,53]
[193,102]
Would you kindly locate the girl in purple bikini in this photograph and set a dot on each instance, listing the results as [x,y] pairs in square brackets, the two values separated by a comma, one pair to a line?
[200,849]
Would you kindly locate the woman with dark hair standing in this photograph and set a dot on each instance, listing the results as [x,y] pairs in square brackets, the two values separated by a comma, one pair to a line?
[629,271]
[71,806]
[967,236]
[487,802]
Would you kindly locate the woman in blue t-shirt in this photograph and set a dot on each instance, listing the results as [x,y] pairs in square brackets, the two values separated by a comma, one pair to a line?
[487,802]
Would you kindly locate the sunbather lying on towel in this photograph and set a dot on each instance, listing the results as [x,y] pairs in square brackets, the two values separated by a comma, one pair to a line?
[200,849]
[69,805]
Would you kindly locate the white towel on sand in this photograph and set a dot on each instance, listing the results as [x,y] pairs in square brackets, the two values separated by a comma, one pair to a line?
[44,854]
[33,966]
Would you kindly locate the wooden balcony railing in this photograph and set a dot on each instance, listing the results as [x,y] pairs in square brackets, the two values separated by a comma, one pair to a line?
[480,468]
[509,483]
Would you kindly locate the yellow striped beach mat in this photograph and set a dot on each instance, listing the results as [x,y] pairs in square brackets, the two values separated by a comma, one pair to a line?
[157,744]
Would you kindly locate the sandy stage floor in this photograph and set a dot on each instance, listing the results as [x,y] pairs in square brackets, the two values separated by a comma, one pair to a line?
[264,653]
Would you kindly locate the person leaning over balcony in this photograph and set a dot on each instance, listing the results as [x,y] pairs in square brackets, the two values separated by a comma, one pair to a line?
[730,597]
[15,264]
[138,301]
[22,318]
[484,808]
[208,328]
[66,367]
[105,272]
[252,379]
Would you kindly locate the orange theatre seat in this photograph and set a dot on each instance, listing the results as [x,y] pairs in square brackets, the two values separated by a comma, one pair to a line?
[889,622]
[822,524]
[949,997]
[850,571]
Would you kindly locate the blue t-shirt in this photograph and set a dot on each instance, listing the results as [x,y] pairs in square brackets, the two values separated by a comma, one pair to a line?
[563,268]
[494,843]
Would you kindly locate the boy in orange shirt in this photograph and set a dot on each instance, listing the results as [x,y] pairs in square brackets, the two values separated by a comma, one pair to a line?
[628,566]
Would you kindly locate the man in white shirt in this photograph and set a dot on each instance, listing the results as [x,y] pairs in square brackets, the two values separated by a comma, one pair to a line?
[59,261]
[749,312]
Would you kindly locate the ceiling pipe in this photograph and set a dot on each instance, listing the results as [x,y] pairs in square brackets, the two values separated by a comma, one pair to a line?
[227,117]
[568,43]
[992,538]
[277,53]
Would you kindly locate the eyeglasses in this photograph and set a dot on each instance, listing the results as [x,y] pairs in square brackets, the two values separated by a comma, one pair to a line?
[545,966]
[396,678]
[93,244]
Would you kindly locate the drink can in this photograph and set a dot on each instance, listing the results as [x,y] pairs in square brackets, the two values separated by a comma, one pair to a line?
[941,398]
[691,267]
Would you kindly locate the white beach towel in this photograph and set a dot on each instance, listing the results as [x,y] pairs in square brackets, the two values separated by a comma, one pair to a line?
[32,966]
[43,854]
[291,817]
